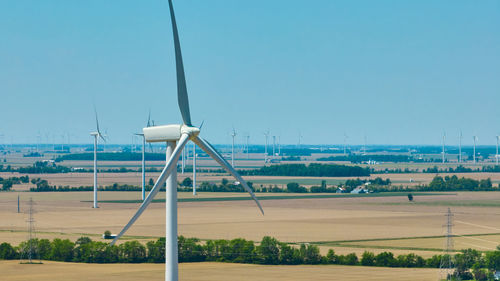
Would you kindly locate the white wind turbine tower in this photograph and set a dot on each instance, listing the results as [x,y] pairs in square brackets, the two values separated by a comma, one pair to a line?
[474,150]
[460,147]
[177,136]
[97,134]
[183,153]
[279,145]
[143,161]
[233,135]
[194,168]
[274,146]
[266,134]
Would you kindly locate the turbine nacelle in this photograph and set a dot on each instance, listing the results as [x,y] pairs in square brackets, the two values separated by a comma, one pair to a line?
[169,132]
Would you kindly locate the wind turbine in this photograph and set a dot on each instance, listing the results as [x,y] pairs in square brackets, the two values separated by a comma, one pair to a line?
[474,150]
[143,166]
[143,161]
[177,136]
[233,135]
[266,134]
[279,145]
[274,146]
[97,134]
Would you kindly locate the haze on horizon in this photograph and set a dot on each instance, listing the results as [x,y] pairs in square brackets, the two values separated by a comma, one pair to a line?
[398,72]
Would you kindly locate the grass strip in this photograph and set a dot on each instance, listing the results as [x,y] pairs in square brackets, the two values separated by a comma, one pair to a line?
[284,197]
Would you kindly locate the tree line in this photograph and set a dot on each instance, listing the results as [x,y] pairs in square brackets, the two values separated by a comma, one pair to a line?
[8,183]
[311,170]
[356,159]
[447,183]
[468,263]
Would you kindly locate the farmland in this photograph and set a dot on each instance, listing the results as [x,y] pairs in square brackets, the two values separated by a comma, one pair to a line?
[13,271]
[346,223]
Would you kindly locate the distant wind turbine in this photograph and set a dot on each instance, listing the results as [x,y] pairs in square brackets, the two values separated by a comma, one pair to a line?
[274,146]
[97,134]
[194,168]
[143,160]
[233,135]
[266,134]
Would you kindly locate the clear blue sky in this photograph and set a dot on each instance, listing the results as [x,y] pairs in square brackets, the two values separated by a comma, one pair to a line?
[400,72]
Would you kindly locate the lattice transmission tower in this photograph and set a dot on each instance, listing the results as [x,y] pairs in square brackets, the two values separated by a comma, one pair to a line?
[30,250]
[447,266]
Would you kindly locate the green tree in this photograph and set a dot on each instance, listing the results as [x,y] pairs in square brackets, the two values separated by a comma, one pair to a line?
[156,250]
[133,252]
[189,250]
[331,257]
[368,259]
[7,252]
[61,250]
[493,260]
[385,259]
[310,254]
[187,182]
[268,251]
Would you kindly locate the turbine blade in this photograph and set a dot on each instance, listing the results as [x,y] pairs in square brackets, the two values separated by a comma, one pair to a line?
[97,121]
[171,164]
[182,95]
[210,150]
[149,119]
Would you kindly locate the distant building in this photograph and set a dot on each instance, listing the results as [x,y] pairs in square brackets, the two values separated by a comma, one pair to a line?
[340,190]
[359,190]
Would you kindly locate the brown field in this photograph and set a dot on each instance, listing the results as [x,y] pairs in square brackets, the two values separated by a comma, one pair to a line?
[298,220]
[13,271]
[346,225]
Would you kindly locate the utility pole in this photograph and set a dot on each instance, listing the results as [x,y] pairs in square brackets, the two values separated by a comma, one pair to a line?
[18,208]
[447,266]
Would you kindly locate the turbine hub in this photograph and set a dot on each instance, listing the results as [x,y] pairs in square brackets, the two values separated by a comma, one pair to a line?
[190,131]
